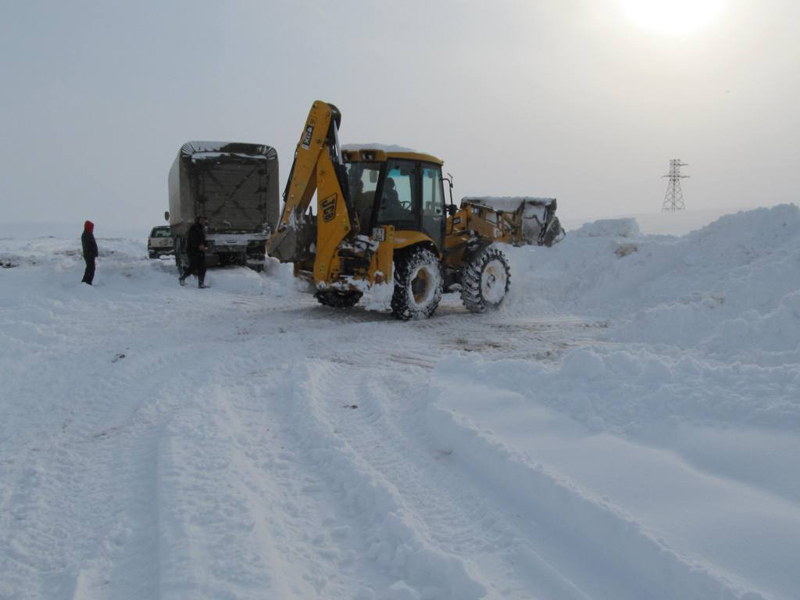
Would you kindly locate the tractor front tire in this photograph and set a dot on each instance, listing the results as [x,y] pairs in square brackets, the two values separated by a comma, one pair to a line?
[484,280]
[418,282]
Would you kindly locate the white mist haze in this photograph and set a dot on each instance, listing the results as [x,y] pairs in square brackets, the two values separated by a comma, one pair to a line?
[567,99]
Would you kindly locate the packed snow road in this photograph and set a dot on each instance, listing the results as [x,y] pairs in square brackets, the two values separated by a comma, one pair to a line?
[625,427]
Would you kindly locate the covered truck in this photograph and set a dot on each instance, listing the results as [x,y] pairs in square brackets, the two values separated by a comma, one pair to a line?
[235,187]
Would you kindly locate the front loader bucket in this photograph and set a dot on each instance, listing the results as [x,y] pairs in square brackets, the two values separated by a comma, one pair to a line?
[540,225]
[533,220]
[553,233]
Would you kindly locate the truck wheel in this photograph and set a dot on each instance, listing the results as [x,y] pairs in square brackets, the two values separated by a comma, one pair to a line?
[484,280]
[338,299]
[418,283]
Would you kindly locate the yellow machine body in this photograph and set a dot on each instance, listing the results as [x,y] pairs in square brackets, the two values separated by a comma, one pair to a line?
[380,216]
[346,253]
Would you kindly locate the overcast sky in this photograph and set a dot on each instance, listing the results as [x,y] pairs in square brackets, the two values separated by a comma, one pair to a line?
[582,100]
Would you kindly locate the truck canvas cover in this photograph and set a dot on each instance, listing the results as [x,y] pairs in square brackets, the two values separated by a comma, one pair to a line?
[234,185]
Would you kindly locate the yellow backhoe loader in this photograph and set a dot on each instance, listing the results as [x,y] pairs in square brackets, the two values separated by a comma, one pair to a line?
[381,216]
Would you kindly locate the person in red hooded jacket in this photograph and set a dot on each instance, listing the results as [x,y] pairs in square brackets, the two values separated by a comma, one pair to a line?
[89,251]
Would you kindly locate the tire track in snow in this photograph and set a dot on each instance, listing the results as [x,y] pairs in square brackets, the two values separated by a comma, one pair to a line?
[541,563]
[366,352]
[84,488]
[393,544]
[579,533]
[213,539]
[242,456]
[85,491]
[128,557]
[445,509]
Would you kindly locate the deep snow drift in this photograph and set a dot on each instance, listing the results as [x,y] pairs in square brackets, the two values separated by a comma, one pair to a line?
[625,427]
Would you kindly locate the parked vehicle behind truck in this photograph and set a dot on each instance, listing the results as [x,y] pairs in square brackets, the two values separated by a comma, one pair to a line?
[235,187]
[160,242]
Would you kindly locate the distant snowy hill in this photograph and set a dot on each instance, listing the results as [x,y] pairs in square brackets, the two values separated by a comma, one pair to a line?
[30,229]
[664,223]
[626,426]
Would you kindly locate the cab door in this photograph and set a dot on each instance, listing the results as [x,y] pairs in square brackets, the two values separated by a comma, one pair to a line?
[433,208]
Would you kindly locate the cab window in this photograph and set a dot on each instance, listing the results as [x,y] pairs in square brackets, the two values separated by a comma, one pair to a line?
[399,193]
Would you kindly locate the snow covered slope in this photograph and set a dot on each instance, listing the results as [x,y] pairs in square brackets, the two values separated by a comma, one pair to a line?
[625,427]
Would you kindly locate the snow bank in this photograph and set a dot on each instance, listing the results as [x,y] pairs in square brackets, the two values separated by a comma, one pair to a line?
[609,227]
[706,288]
[704,328]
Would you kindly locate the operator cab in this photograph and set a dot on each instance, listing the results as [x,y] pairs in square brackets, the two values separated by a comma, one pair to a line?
[402,189]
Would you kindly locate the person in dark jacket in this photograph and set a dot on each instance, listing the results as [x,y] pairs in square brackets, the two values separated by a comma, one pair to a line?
[89,251]
[196,248]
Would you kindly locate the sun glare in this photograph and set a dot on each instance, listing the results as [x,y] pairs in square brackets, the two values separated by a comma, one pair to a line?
[673,16]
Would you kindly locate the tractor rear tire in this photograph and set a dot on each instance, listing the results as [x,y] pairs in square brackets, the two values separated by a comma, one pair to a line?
[338,299]
[418,282]
[484,280]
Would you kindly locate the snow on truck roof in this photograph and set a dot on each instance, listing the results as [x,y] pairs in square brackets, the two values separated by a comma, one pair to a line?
[197,150]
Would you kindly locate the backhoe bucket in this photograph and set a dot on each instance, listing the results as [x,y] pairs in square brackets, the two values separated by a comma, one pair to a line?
[283,245]
[292,244]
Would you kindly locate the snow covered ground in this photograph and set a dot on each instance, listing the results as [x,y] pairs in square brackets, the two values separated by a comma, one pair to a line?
[626,427]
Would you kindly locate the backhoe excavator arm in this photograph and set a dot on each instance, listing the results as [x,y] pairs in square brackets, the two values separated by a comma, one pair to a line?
[317,167]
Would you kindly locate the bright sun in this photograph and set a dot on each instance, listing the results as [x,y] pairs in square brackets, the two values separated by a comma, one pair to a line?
[673,16]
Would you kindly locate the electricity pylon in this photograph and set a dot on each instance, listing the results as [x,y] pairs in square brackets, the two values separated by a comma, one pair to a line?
[673,199]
